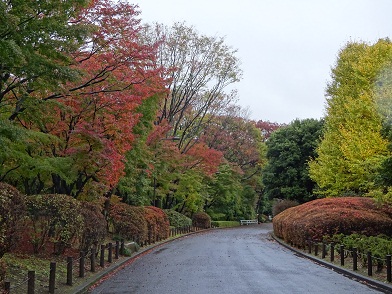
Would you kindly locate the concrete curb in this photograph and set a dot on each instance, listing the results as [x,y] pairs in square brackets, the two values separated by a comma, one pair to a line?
[85,286]
[378,285]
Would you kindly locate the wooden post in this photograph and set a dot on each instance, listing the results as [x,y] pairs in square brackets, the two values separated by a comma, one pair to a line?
[110,249]
[81,264]
[388,268]
[324,250]
[52,277]
[332,252]
[316,249]
[122,248]
[102,257]
[342,255]
[92,260]
[31,282]
[69,270]
[369,262]
[355,259]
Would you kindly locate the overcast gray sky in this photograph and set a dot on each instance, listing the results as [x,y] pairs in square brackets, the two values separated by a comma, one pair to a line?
[286,47]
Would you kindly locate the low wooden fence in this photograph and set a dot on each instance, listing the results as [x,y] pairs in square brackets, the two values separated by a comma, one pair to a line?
[337,252]
[93,260]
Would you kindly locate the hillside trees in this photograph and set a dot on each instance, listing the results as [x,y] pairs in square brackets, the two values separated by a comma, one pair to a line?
[238,180]
[352,149]
[286,175]
[198,69]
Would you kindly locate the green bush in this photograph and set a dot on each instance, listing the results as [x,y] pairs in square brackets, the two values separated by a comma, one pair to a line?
[224,224]
[280,205]
[379,246]
[201,220]
[128,222]
[12,212]
[177,219]
[94,226]
[326,217]
[54,218]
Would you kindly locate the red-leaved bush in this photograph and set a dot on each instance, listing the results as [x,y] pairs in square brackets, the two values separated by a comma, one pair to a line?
[94,226]
[158,223]
[346,215]
[128,222]
[201,220]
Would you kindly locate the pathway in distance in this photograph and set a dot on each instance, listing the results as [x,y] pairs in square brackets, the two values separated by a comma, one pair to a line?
[237,260]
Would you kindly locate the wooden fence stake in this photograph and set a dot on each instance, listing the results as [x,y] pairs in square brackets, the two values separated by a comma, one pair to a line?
[52,277]
[69,270]
[31,282]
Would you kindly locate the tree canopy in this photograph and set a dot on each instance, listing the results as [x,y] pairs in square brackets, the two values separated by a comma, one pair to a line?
[286,174]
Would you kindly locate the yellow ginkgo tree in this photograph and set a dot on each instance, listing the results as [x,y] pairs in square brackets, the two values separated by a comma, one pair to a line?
[353,148]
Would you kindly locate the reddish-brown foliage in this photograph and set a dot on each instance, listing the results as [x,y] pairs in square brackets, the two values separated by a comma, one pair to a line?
[346,215]
[201,220]
[128,221]
[12,211]
[158,223]
[94,226]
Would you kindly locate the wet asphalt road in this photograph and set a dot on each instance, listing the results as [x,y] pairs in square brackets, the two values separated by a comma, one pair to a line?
[238,260]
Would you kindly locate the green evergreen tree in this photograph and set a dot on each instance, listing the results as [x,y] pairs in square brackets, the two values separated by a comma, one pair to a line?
[289,149]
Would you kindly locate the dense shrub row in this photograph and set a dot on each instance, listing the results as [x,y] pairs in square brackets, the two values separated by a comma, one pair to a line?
[40,223]
[326,217]
[61,222]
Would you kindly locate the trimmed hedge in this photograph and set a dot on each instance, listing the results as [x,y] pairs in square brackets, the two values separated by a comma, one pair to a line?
[201,220]
[12,212]
[94,226]
[54,218]
[177,220]
[157,222]
[326,217]
[128,222]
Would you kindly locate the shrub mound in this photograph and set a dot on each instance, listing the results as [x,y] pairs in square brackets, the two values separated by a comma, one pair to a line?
[128,222]
[12,211]
[54,218]
[158,223]
[326,217]
[177,220]
[94,225]
[201,220]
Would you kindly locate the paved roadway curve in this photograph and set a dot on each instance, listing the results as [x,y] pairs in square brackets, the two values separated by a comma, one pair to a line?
[238,260]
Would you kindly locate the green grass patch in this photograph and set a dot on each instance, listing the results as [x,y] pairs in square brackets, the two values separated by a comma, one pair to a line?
[225,224]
